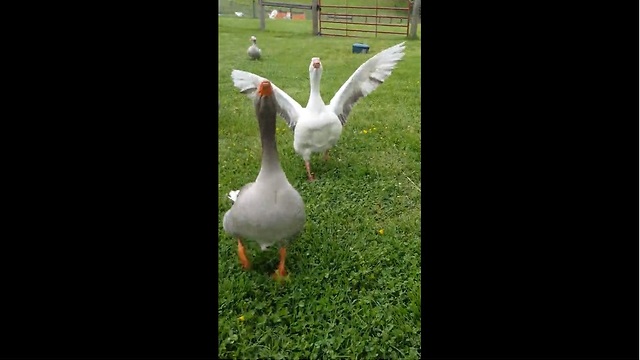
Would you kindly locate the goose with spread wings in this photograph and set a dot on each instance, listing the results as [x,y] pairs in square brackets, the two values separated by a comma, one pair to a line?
[317,127]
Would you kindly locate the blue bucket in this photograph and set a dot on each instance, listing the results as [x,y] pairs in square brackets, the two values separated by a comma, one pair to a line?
[358,48]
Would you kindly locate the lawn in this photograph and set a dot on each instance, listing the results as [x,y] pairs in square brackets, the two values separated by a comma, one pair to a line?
[354,284]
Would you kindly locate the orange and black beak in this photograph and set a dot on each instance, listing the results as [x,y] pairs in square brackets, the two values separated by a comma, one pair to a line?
[265,89]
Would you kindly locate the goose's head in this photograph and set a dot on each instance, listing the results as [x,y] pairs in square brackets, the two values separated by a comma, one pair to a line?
[253,39]
[265,102]
[315,68]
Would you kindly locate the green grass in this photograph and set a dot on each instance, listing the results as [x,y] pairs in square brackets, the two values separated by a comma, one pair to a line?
[353,290]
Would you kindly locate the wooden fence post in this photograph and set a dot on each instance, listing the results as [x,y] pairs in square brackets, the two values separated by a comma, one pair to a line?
[261,9]
[414,19]
[314,17]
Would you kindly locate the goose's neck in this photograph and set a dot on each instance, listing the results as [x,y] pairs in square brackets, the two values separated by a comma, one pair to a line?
[270,159]
[315,100]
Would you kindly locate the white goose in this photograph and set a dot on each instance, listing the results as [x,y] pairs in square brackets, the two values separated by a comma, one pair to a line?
[269,211]
[317,127]
[253,51]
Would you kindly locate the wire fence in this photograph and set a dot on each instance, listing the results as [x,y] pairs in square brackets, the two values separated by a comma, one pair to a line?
[251,9]
[235,8]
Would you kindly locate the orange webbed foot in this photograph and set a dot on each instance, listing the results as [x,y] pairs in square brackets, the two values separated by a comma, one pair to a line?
[244,261]
[281,272]
[307,165]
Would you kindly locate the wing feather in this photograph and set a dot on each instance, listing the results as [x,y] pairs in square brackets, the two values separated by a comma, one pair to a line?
[364,80]
[248,83]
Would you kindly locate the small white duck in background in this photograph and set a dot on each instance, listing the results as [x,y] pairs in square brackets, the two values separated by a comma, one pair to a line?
[254,52]
[317,127]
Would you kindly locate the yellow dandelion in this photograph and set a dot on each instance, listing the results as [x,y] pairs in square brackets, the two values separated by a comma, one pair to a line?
[381,231]
[241,318]
[364,131]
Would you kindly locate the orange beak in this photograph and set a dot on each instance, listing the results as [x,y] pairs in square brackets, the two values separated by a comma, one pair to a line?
[316,64]
[265,89]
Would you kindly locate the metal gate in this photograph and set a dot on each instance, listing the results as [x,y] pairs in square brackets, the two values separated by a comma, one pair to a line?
[345,20]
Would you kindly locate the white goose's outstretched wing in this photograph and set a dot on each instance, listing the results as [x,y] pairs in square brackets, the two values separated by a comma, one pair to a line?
[364,80]
[248,84]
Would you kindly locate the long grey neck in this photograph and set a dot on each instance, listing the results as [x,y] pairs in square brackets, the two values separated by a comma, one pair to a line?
[270,159]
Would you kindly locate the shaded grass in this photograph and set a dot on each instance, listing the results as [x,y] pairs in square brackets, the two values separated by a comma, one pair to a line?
[354,286]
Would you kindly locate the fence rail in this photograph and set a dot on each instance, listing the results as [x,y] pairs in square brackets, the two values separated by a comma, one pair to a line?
[355,19]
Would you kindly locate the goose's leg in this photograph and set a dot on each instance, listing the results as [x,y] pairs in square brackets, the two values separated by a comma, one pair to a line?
[242,255]
[281,272]
[308,166]
[326,155]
